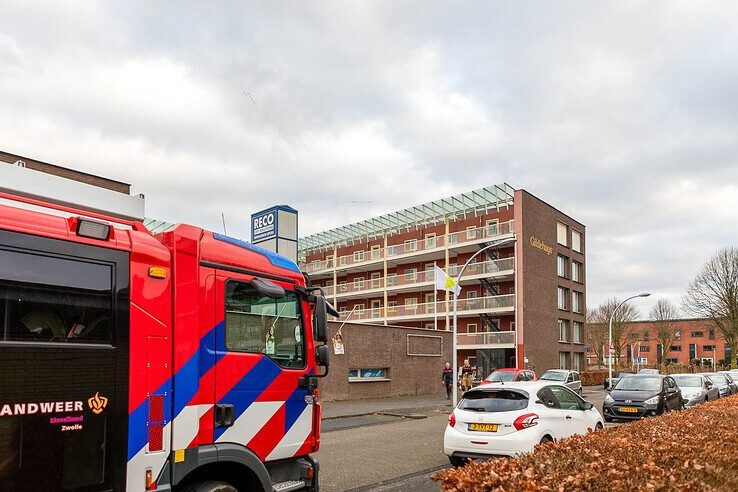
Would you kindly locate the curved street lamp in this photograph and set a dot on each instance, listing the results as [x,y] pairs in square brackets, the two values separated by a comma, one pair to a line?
[610,347]
[458,278]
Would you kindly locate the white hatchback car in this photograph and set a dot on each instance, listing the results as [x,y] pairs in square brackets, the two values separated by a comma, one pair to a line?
[511,418]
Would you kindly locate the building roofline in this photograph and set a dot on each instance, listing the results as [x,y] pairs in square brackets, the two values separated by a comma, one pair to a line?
[553,207]
[429,213]
[650,321]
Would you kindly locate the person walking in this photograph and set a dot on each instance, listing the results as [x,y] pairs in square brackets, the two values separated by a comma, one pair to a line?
[446,378]
[466,376]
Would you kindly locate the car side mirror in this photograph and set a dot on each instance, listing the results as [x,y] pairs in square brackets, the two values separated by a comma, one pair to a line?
[322,355]
[320,320]
[587,405]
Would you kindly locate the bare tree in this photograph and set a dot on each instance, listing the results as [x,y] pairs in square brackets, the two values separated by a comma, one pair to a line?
[596,333]
[621,322]
[664,314]
[714,294]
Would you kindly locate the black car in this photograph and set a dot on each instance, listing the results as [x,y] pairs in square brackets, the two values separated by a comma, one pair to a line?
[616,376]
[639,395]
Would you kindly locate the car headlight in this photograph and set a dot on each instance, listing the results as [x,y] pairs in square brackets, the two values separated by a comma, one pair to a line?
[608,399]
[652,401]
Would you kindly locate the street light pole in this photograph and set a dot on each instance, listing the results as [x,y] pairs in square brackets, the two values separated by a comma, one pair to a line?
[610,348]
[455,304]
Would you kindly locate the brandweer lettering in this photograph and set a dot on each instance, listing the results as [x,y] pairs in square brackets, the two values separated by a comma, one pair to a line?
[10,409]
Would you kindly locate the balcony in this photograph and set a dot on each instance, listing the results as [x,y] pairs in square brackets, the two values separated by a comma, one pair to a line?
[498,339]
[413,249]
[417,312]
[407,282]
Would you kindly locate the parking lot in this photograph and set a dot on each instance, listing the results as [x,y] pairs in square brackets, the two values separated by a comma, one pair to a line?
[386,451]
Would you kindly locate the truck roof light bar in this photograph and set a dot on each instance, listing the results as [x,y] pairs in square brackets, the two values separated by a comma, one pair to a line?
[93,229]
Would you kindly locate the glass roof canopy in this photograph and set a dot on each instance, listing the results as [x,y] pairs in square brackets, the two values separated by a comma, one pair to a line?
[427,214]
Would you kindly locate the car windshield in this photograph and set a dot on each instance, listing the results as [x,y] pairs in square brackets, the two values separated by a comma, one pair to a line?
[648,371]
[494,401]
[501,376]
[554,376]
[718,378]
[687,381]
[639,384]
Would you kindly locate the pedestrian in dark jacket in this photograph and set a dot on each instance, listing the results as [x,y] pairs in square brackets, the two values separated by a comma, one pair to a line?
[446,377]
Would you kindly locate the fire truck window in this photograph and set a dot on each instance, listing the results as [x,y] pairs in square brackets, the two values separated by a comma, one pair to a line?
[57,300]
[260,324]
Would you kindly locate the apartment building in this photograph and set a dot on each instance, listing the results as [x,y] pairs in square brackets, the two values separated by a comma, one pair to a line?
[695,339]
[523,295]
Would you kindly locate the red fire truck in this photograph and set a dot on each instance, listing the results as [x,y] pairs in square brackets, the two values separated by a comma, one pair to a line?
[185,360]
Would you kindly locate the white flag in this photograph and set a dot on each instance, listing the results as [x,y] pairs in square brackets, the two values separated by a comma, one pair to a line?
[445,282]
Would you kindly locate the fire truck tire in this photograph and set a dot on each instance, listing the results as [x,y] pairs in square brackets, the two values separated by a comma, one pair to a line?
[211,486]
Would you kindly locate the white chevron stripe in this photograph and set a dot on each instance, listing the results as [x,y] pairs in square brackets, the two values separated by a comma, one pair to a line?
[295,437]
[187,425]
[250,422]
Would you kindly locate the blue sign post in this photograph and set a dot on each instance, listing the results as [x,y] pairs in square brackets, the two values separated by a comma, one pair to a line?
[275,229]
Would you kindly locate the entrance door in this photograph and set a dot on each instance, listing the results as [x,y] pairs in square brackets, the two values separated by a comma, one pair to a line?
[263,353]
[64,364]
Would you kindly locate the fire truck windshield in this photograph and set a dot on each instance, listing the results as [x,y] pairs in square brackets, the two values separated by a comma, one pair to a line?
[260,324]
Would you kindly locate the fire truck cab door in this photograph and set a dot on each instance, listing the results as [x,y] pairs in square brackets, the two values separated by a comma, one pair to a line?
[262,354]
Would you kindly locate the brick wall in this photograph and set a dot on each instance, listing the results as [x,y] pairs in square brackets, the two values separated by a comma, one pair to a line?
[377,346]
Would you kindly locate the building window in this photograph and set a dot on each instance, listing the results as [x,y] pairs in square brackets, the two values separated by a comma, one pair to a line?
[511,290]
[391,279]
[708,348]
[430,301]
[358,256]
[359,283]
[411,304]
[562,263]
[411,274]
[576,241]
[493,227]
[646,336]
[711,335]
[678,335]
[411,245]
[644,348]
[578,361]
[698,334]
[675,348]
[561,234]
[430,241]
[563,296]
[376,252]
[577,330]
[576,302]
[391,308]
[358,307]
[430,326]
[329,261]
[471,328]
[472,294]
[633,335]
[343,261]
[471,232]
[563,330]
[374,374]
[576,271]
[376,280]
[563,360]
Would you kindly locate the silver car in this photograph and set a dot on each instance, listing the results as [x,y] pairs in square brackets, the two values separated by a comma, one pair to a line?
[568,378]
[732,379]
[721,381]
[696,389]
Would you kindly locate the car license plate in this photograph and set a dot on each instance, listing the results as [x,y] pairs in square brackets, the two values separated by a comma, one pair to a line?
[628,410]
[483,427]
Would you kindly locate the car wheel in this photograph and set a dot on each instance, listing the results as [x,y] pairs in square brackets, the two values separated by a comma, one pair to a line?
[545,440]
[456,461]
[211,486]
[599,426]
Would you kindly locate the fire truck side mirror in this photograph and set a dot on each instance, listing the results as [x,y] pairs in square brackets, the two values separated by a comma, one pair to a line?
[321,355]
[320,320]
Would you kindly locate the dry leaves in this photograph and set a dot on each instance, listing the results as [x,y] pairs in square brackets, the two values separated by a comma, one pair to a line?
[690,450]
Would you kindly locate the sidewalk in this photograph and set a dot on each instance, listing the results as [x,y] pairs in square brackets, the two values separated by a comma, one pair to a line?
[404,405]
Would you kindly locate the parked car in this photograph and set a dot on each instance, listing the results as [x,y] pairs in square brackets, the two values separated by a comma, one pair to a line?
[569,378]
[509,376]
[653,372]
[511,419]
[642,395]
[721,381]
[696,389]
[616,376]
[732,379]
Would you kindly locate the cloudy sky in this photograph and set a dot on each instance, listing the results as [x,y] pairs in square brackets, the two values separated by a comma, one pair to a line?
[623,114]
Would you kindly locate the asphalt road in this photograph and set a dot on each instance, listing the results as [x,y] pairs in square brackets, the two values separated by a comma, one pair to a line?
[379,454]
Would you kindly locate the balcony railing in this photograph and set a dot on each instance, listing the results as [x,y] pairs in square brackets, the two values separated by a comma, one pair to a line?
[414,246]
[481,304]
[486,338]
[490,267]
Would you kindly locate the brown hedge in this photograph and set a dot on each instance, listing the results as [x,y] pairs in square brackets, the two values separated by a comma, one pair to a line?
[689,450]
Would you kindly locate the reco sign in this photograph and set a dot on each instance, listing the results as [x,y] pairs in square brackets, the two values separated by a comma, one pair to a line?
[264,226]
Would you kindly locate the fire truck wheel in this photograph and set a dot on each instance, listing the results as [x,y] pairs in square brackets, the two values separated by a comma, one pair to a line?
[211,486]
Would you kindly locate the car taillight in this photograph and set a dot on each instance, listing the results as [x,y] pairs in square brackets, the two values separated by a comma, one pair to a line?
[525,421]
[452,420]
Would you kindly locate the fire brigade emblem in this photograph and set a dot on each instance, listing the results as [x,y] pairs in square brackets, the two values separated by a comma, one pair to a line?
[97,403]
